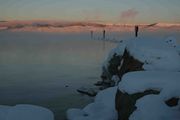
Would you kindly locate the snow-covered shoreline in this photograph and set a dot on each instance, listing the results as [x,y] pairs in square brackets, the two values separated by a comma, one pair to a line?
[25,112]
[139,92]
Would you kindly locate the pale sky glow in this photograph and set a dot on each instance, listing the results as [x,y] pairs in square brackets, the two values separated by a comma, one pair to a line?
[115,11]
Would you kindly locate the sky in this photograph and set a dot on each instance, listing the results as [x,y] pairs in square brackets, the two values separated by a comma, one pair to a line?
[109,11]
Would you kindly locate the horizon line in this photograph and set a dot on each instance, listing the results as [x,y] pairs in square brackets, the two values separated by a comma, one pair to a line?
[89,21]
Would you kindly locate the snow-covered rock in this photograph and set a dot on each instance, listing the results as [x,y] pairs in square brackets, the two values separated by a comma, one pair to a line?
[168,83]
[4,112]
[151,52]
[139,88]
[178,49]
[25,112]
[155,54]
[109,67]
[152,107]
[103,108]
[158,72]
[141,54]
[156,81]
[119,50]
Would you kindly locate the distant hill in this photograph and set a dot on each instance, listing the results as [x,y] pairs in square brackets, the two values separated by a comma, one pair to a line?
[50,26]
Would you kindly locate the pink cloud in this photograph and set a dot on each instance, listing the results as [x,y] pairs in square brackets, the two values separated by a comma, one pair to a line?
[130,13]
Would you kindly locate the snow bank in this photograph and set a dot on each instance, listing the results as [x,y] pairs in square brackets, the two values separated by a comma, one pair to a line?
[152,107]
[178,49]
[25,112]
[168,83]
[155,54]
[161,62]
[4,112]
[103,108]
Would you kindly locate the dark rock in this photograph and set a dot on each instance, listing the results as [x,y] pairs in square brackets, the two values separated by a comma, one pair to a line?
[119,65]
[92,94]
[129,64]
[113,64]
[125,103]
[85,114]
[90,91]
[172,102]
[105,76]
[99,83]
[111,70]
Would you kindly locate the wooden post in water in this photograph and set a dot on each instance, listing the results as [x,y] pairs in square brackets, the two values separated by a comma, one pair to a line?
[136,31]
[104,34]
[92,34]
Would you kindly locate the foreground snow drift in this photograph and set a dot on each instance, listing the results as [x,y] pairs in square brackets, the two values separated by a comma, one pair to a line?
[25,112]
[153,107]
[103,108]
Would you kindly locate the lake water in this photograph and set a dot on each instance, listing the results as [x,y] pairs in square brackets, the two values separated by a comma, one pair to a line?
[36,68]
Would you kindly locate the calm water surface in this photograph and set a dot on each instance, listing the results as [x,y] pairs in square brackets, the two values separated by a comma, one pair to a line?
[35,68]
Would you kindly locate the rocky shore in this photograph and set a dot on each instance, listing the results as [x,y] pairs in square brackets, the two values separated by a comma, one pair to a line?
[139,76]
